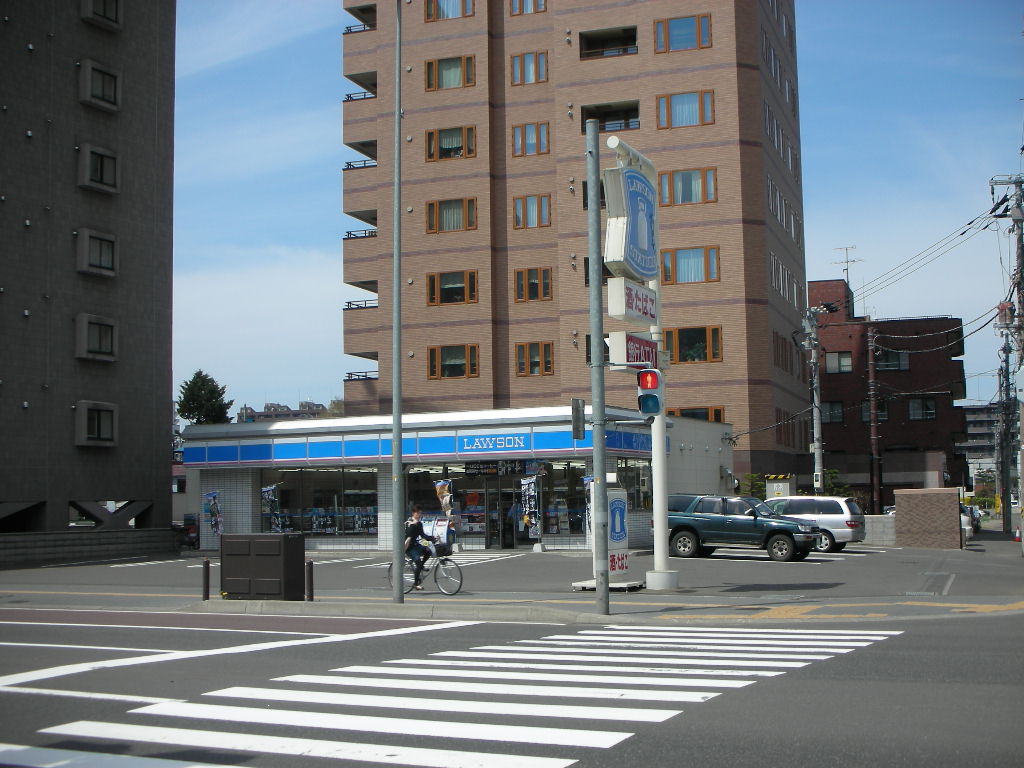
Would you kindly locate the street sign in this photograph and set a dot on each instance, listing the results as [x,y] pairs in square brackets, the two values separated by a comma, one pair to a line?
[618,535]
[631,238]
[632,302]
[627,351]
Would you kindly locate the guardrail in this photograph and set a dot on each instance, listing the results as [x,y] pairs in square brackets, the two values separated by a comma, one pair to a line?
[600,53]
[353,234]
[362,375]
[362,304]
[350,164]
[353,28]
[360,95]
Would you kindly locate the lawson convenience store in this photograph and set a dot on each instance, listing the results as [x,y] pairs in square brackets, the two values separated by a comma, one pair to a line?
[330,479]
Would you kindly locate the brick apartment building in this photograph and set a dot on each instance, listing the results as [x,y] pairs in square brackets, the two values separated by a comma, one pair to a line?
[86,215]
[918,380]
[495,96]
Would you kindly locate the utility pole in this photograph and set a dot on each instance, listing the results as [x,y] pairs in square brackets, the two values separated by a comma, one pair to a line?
[397,468]
[812,344]
[876,456]
[1004,435]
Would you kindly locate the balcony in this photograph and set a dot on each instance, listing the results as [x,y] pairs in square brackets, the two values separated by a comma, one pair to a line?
[365,14]
[353,164]
[618,116]
[356,234]
[362,304]
[367,81]
[608,43]
[362,375]
[353,28]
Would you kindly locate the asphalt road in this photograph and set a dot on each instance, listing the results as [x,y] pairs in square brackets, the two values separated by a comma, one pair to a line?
[167,690]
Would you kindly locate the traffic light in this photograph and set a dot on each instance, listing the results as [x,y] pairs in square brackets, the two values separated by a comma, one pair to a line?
[579,422]
[650,390]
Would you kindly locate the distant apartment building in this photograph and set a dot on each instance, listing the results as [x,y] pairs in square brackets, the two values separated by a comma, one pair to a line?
[979,447]
[277,412]
[85,275]
[917,379]
[495,99]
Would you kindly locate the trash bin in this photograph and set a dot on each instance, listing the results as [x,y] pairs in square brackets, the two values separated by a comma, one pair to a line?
[262,566]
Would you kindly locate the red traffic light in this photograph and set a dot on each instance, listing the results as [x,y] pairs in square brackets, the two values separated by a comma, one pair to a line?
[649,379]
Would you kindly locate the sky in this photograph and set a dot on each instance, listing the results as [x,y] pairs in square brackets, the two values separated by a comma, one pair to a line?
[907,109]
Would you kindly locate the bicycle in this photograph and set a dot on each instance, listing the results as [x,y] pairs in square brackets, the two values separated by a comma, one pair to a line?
[447,573]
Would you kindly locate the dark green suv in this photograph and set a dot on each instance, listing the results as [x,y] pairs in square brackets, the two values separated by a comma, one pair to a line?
[697,523]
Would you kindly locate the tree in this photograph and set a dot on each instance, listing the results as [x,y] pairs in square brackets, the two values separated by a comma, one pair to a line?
[201,400]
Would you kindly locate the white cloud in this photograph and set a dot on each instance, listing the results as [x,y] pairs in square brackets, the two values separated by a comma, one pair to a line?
[215,33]
[266,323]
[262,144]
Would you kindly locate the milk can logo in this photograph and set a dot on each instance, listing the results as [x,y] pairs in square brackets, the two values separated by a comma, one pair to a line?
[617,520]
[641,248]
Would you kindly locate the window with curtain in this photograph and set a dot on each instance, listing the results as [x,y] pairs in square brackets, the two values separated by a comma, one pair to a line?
[530,139]
[451,215]
[533,284]
[921,408]
[680,110]
[529,68]
[456,72]
[695,345]
[838,362]
[100,338]
[439,10]
[101,252]
[892,360]
[531,211]
[536,358]
[452,288]
[690,265]
[459,361]
[450,143]
[100,424]
[519,7]
[685,33]
[696,185]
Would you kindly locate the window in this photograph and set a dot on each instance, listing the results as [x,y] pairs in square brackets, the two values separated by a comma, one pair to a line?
[921,408]
[838,362]
[451,215]
[96,253]
[530,139]
[695,345]
[891,360]
[449,143]
[98,169]
[439,10]
[690,265]
[95,338]
[456,72]
[95,423]
[710,413]
[456,362]
[102,13]
[536,358]
[881,408]
[533,284]
[99,86]
[519,7]
[680,110]
[532,211]
[832,412]
[696,185]
[682,34]
[451,288]
[529,68]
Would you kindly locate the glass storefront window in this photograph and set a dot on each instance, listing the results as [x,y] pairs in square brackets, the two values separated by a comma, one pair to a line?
[320,502]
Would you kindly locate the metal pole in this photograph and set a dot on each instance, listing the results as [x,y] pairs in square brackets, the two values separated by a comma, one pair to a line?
[397,472]
[819,463]
[1004,436]
[206,578]
[600,505]
[309,581]
[876,462]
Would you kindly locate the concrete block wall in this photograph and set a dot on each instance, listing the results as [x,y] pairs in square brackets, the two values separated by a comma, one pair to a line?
[26,550]
[928,517]
[880,530]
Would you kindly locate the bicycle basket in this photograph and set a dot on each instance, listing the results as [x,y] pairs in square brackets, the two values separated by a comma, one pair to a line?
[443,550]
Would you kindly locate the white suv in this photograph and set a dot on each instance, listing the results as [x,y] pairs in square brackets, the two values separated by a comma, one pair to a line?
[840,518]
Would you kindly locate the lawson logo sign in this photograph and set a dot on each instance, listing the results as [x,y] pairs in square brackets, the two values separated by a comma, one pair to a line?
[491,443]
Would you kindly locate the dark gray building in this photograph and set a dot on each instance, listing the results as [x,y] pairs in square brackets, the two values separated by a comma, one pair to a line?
[86,164]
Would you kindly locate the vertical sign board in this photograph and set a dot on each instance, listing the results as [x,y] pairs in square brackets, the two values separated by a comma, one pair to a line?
[631,350]
[630,245]
[618,535]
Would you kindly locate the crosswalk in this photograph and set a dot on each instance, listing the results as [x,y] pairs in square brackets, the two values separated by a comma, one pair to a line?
[548,702]
[462,558]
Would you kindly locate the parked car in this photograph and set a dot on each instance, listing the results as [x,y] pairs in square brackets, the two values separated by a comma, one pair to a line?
[840,518]
[697,523]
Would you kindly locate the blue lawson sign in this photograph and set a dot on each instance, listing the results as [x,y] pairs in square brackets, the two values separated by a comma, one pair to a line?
[631,245]
[617,519]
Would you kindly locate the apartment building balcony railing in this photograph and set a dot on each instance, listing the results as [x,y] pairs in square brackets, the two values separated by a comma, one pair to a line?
[362,375]
[354,234]
[362,304]
[627,124]
[601,53]
[360,95]
[350,164]
[352,29]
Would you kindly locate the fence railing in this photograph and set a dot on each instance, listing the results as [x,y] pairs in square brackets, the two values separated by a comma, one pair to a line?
[353,234]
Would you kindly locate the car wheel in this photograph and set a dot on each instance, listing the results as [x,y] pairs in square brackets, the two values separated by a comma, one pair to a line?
[826,542]
[684,544]
[801,555]
[781,548]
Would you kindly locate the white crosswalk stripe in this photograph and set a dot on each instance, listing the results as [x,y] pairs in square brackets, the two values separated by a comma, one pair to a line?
[462,558]
[624,674]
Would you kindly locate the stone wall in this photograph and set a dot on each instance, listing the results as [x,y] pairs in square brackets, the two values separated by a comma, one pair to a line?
[25,550]
[928,517]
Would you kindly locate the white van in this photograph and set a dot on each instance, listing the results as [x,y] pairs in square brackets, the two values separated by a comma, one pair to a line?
[840,518]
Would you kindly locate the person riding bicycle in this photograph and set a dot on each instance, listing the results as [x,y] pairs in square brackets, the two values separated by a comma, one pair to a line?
[416,543]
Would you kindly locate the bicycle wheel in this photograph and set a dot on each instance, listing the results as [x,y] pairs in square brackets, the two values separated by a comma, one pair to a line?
[408,575]
[447,575]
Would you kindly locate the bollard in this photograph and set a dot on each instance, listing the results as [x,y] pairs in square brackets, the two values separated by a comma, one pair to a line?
[309,581]
[206,578]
